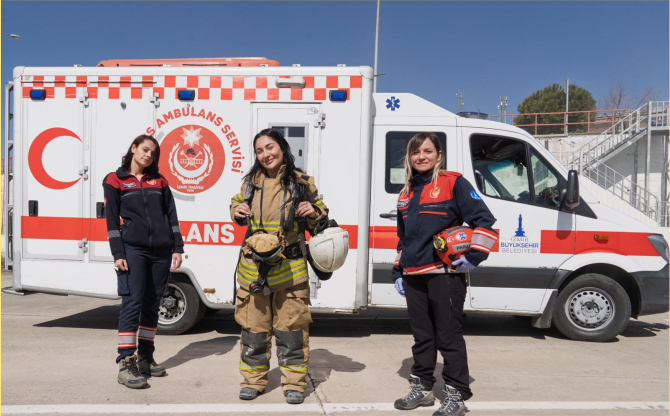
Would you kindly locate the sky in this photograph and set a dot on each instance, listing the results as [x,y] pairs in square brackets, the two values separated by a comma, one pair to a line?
[431,49]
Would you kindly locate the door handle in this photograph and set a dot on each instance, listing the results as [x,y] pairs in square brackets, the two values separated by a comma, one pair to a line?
[392,215]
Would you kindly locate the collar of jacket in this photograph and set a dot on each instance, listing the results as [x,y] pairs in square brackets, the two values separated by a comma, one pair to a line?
[122,174]
[260,176]
[421,178]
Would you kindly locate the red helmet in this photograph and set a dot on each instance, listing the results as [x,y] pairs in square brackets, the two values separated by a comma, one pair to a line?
[452,243]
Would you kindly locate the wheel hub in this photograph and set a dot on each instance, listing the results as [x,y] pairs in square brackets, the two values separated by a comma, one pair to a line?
[590,308]
[173,305]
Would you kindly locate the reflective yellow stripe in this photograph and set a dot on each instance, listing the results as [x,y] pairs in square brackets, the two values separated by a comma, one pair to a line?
[290,275]
[250,269]
[238,197]
[300,368]
[258,369]
[241,276]
[319,203]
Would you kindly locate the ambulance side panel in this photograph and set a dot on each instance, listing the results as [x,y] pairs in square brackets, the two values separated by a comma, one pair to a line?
[205,146]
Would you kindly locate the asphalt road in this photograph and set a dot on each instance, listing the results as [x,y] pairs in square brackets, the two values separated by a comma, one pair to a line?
[58,357]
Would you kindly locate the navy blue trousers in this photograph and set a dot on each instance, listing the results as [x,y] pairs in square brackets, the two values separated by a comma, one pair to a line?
[141,288]
[435,307]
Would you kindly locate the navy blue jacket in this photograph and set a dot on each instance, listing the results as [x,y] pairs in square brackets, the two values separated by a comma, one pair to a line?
[148,211]
[431,207]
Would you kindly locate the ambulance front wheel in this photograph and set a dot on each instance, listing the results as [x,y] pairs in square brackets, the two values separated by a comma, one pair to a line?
[592,307]
[180,308]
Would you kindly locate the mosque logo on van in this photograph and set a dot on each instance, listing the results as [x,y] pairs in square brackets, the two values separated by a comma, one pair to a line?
[520,243]
[193,155]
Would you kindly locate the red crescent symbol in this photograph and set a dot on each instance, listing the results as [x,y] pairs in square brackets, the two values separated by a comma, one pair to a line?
[35,157]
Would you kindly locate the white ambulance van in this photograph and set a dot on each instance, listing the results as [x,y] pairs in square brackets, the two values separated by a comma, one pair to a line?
[562,257]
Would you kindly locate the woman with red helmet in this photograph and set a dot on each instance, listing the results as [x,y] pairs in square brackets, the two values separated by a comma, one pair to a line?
[433,200]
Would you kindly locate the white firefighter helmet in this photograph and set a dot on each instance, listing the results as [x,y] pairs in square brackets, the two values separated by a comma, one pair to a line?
[329,249]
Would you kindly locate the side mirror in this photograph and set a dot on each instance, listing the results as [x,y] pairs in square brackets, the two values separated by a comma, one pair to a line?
[570,199]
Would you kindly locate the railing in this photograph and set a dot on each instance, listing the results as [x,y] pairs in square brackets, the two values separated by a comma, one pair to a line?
[637,196]
[625,129]
[589,121]
[11,165]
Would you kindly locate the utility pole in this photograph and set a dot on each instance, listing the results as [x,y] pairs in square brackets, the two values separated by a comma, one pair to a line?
[461,104]
[374,80]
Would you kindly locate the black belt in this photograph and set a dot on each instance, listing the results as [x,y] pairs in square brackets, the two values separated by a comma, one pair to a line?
[293,251]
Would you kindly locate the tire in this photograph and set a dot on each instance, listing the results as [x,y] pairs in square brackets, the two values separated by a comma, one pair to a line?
[593,308]
[180,308]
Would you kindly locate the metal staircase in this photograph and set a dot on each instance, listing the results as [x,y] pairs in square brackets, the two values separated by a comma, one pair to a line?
[589,160]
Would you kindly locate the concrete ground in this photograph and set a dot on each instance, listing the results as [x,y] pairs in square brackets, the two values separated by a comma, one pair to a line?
[58,354]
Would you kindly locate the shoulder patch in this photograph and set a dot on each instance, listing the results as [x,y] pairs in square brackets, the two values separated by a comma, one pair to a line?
[475,195]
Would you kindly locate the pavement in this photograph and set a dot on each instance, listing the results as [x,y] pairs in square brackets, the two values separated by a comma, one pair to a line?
[58,354]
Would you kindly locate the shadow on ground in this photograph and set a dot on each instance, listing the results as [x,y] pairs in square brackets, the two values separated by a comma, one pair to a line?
[201,349]
[321,365]
[365,324]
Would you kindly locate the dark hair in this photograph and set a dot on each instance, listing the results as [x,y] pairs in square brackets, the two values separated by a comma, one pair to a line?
[289,172]
[128,158]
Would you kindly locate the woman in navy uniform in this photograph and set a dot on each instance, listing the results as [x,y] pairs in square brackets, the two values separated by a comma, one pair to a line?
[143,248]
[433,200]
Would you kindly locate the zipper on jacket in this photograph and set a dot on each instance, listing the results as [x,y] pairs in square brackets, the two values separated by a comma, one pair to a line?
[146,212]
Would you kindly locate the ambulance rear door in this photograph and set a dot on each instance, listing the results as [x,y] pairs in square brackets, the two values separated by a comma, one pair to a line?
[53,140]
[52,225]
[523,190]
[300,123]
[122,108]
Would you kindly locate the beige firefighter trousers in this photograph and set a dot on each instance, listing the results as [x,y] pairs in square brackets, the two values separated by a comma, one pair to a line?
[284,314]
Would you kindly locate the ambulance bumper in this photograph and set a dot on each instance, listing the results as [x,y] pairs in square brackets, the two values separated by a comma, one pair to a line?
[653,291]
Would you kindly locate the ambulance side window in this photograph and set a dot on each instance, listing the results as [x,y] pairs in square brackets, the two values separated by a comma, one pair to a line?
[396,146]
[546,183]
[501,168]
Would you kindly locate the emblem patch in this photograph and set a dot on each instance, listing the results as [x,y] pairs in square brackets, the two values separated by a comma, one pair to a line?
[151,182]
[435,192]
[475,195]
[129,185]
[195,161]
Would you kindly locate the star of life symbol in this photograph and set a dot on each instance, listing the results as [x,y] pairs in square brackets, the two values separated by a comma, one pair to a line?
[393,103]
[462,236]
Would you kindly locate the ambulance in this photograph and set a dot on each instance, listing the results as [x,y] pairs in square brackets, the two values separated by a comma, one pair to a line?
[562,257]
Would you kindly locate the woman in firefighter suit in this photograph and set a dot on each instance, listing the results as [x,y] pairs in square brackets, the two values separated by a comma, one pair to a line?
[276,199]
[143,247]
[433,200]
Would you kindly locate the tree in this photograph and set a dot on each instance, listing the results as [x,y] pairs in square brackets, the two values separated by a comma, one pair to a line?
[552,100]
[620,96]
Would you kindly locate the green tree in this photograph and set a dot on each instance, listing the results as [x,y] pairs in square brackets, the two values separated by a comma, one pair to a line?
[552,100]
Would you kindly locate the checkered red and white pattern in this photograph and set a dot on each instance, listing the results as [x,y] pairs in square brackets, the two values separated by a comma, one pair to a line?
[224,88]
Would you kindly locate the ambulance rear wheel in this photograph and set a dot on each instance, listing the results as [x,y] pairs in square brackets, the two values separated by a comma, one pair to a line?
[180,308]
[592,307]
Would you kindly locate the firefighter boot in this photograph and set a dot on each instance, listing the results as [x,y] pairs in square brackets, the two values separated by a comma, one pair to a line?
[418,396]
[129,374]
[452,403]
[148,365]
[249,393]
[294,397]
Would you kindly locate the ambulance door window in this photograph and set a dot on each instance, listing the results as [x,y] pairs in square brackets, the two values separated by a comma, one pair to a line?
[396,147]
[501,168]
[296,136]
[546,183]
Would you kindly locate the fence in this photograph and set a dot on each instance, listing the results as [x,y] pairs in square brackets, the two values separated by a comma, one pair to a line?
[591,121]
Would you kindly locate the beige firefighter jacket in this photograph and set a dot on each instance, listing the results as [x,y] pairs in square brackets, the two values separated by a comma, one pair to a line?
[266,214]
